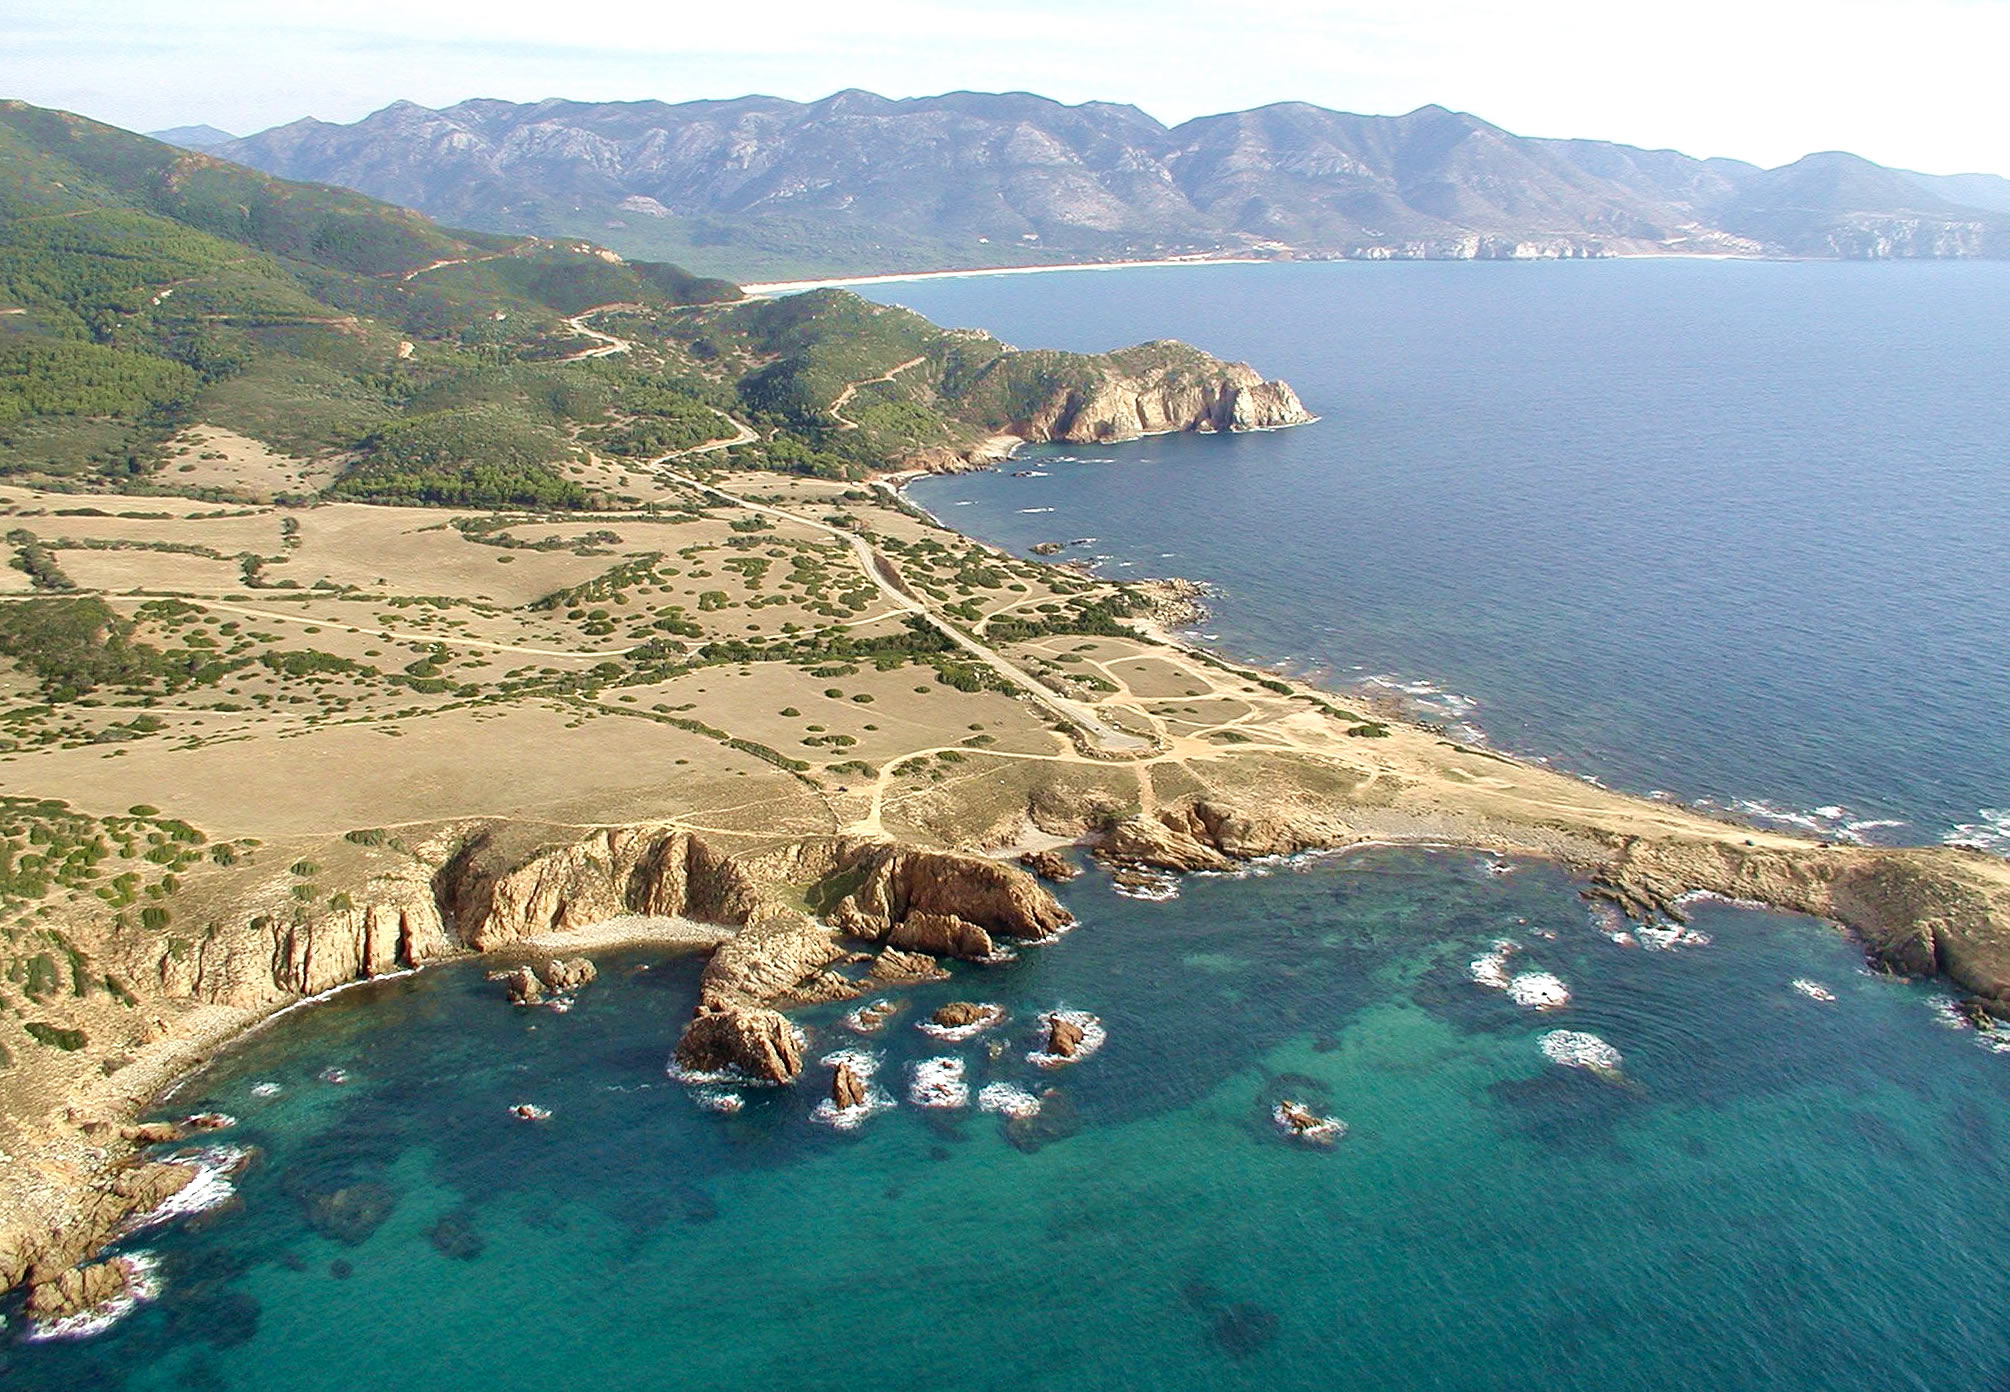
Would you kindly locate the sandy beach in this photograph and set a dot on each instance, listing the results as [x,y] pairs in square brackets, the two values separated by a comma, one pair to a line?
[773,288]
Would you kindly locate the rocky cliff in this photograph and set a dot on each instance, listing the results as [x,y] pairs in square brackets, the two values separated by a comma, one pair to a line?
[1163,401]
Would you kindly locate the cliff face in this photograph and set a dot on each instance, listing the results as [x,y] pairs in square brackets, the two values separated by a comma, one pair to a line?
[1123,407]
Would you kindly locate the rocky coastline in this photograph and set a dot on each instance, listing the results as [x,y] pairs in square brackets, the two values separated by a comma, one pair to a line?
[830,918]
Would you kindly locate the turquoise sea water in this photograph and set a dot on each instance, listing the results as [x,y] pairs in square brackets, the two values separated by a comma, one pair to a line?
[1772,1190]
[1776,1192]
[1736,531]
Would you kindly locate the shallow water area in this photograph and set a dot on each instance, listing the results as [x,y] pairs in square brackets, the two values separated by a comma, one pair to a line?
[1774,1192]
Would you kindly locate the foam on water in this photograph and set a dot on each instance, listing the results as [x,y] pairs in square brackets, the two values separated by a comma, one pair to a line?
[1538,991]
[865,1064]
[1490,968]
[1813,990]
[1093,1038]
[1008,1099]
[212,1186]
[938,1083]
[1577,1049]
[1670,937]
[1990,832]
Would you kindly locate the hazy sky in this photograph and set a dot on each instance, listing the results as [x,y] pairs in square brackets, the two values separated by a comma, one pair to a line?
[1917,83]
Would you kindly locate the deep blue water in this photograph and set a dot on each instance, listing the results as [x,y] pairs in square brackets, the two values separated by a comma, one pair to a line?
[1736,531]
[1771,1190]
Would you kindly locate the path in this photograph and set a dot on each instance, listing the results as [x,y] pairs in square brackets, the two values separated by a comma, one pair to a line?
[844,397]
[1100,734]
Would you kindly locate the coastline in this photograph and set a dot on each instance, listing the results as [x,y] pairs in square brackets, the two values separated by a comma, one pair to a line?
[1641,855]
[775,288]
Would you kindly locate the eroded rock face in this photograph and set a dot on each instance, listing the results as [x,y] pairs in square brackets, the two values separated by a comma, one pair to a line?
[893,965]
[941,902]
[943,935]
[1184,391]
[79,1289]
[758,1042]
[960,1014]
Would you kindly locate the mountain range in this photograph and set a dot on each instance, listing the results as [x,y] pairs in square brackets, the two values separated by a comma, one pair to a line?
[857,183]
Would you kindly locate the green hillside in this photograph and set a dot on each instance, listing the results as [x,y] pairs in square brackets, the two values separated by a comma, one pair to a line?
[146,290]
[144,287]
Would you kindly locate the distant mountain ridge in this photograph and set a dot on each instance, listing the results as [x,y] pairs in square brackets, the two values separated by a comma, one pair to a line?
[858,182]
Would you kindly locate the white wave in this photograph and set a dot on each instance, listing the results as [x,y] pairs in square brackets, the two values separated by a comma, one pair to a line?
[1490,968]
[1008,1099]
[1159,887]
[333,1075]
[872,1017]
[1576,1049]
[1029,511]
[1670,937]
[994,1014]
[864,1064]
[1832,822]
[717,1099]
[1093,1038]
[1291,1118]
[211,1187]
[938,1083]
[267,1090]
[142,1284]
[1538,991]
[1813,990]
[1991,833]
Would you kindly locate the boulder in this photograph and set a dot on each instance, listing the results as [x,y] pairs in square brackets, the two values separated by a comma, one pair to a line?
[149,1133]
[1064,1037]
[847,1088]
[1051,866]
[567,975]
[521,984]
[958,1014]
[756,1041]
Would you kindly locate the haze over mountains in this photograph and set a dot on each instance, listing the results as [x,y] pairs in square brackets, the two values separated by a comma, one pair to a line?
[858,182]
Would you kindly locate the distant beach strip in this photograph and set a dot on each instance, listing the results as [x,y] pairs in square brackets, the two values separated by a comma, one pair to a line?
[775,289]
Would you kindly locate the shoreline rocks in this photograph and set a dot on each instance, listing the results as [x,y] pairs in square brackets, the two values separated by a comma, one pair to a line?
[540,983]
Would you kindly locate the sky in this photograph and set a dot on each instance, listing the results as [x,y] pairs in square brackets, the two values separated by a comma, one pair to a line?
[1913,83]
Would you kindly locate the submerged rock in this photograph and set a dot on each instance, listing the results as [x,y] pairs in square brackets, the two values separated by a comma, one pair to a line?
[1055,1119]
[454,1236]
[350,1214]
[1242,1329]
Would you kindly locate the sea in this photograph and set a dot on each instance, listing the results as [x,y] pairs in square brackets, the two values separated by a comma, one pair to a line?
[1726,531]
